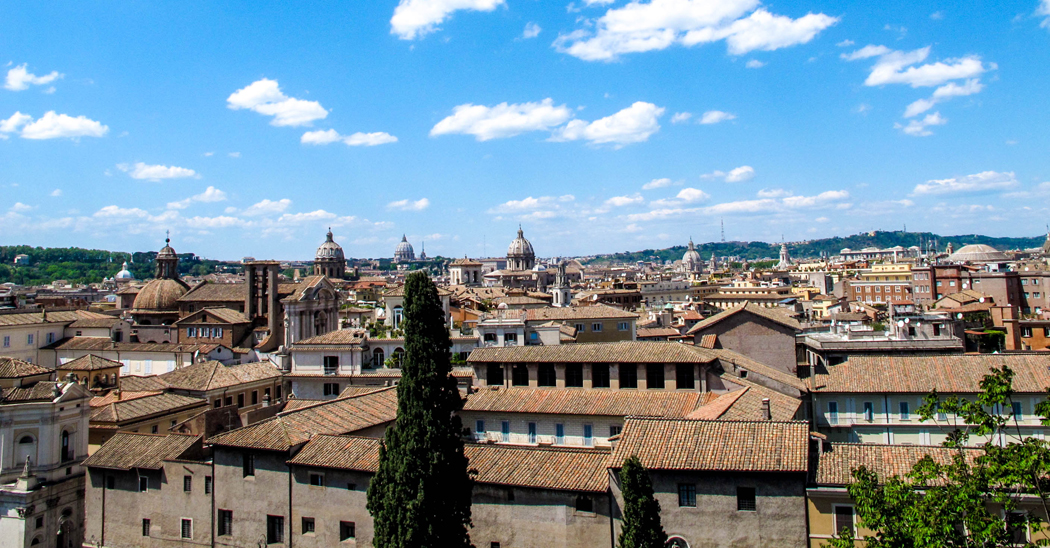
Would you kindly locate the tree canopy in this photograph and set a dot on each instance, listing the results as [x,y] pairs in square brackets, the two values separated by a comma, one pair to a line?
[641,510]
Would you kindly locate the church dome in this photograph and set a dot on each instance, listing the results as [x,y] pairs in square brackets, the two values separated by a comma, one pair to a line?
[160,294]
[692,256]
[329,250]
[167,252]
[404,250]
[124,273]
[978,253]
[520,247]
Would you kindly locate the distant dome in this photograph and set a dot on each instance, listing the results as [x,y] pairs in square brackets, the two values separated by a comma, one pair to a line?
[691,260]
[124,273]
[329,250]
[539,268]
[404,251]
[978,253]
[160,294]
[520,247]
[167,252]
[846,250]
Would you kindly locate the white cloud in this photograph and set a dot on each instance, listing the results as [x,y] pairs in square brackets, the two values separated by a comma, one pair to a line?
[754,64]
[685,196]
[865,52]
[409,205]
[620,201]
[221,221]
[716,116]
[681,117]
[740,174]
[659,24]
[899,67]
[743,206]
[234,154]
[502,120]
[210,195]
[659,183]
[937,15]
[532,30]
[113,211]
[773,193]
[824,198]
[19,78]
[155,173]
[325,137]
[297,218]
[416,18]
[978,182]
[267,207]
[1044,11]
[530,203]
[944,93]
[56,193]
[845,43]
[633,124]
[54,126]
[19,207]
[919,128]
[265,97]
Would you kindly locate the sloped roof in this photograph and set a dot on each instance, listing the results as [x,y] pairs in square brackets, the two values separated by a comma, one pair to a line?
[580,401]
[225,315]
[128,450]
[121,395]
[616,352]
[223,292]
[213,375]
[87,323]
[740,446]
[399,291]
[39,392]
[290,428]
[746,404]
[922,374]
[593,312]
[39,316]
[836,464]
[104,343]
[14,368]
[657,332]
[136,383]
[771,314]
[138,408]
[338,337]
[89,362]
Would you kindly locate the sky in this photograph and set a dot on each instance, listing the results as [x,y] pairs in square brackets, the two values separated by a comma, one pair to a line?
[250,128]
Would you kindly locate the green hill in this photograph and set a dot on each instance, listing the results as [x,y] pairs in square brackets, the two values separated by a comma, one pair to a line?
[81,266]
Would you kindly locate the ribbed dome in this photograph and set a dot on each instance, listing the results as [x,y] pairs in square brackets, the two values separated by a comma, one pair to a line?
[160,294]
[520,247]
[329,250]
[167,251]
[124,273]
[692,256]
[404,250]
[978,253]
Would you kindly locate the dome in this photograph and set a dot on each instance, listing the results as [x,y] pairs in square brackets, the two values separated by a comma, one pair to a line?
[160,294]
[539,268]
[124,273]
[167,252]
[846,250]
[520,247]
[404,250]
[329,250]
[978,253]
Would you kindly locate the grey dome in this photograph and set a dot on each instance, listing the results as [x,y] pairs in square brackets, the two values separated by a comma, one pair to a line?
[692,256]
[329,250]
[978,253]
[520,247]
[404,250]
[124,273]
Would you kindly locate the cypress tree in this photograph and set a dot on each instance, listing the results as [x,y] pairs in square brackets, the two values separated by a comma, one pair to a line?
[641,510]
[420,497]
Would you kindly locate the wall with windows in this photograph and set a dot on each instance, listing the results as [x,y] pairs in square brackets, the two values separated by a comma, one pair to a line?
[25,341]
[332,502]
[517,516]
[642,376]
[529,429]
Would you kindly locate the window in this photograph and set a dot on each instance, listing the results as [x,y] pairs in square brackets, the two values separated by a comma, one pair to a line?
[187,528]
[207,485]
[532,432]
[905,413]
[39,522]
[628,376]
[1017,528]
[559,433]
[347,530]
[505,431]
[248,464]
[745,499]
[545,375]
[240,401]
[111,482]
[654,375]
[588,435]
[331,365]
[218,403]
[833,412]
[187,484]
[936,330]
[614,430]
[50,338]
[255,397]
[154,429]
[229,401]
[217,332]
[600,375]
[274,529]
[495,374]
[1017,411]
[145,527]
[579,328]
[844,520]
[494,545]
[490,337]
[574,375]
[308,526]
[479,426]
[624,326]
[520,375]
[316,480]
[7,341]
[584,504]
[941,415]
[869,411]
[510,338]
[331,389]
[225,522]
[596,327]
[191,331]
[687,495]
[1026,332]
[683,376]
[29,339]
[143,484]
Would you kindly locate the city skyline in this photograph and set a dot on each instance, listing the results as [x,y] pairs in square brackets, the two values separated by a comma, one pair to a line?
[248,130]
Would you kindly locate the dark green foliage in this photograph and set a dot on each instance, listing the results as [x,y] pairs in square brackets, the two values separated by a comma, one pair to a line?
[958,503]
[84,266]
[420,497]
[641,510]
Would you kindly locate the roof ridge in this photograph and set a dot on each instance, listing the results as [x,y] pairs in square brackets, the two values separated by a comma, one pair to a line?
[756,421]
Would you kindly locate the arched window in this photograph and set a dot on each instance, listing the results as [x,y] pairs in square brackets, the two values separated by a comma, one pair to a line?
[676,542]
[398,355]
[35,542]
[67,446]
[26,449]
[398,316]
[377,357]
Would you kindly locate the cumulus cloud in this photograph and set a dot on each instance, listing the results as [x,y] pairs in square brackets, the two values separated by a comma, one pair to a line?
[264,96]
[620,201]
[1044,11]
[716,116]
[659,24]
[56,193]
[210,195]
[902,67]
[502,120]
[52,126]
[530,203]
[19,207]
[659,183]
[19,78]
[267,207]
[681,117]
[944,93]
[16,121]
[532,30]
[754,64]
[824,198]
[325,137]
[685,196]
[409,205]
[311,216]
[633,124]
[978,182]
[416,18]
[920,128]
[156,173]
[736,175]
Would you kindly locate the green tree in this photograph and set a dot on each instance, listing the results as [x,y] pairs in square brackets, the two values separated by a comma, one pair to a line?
[420,497]
[641,510]
[957,501]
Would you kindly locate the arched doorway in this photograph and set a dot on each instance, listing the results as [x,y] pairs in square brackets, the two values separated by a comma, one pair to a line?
[398,356]
[377,357]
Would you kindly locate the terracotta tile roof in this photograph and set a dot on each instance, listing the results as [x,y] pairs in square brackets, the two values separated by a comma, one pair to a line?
[717,407]
[736,360]
[836,465]
[580,401]
[213,375]
[771,314]
[594,312]
[224,315]
[399,291]
[465,262]
[564,469]
[39,317]
[228,292]
[350,391]
[618,352]
[39,392]
[709,341]
[136,383]
[645,332]
[14,368]
[89,362]
[87,323]
[519,300]
[304,285]
[299,403]
[104,343]
[290,428]
[147,406]
[127,451]
[922,374]
[339,337]
[749,405]
[741,446]
[120,395]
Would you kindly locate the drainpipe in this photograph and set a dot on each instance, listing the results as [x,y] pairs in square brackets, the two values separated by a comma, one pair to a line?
[105,479]
[213,499]
[291,528]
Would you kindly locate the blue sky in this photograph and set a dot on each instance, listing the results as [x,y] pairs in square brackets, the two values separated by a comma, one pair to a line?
[599,126]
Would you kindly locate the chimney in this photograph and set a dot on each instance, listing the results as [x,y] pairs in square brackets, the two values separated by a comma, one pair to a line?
[767,414]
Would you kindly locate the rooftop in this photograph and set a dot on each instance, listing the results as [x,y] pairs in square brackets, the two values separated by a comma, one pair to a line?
[129,451]
[922,374]
[580,401]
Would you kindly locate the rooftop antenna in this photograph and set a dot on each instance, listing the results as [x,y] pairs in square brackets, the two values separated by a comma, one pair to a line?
[723,222]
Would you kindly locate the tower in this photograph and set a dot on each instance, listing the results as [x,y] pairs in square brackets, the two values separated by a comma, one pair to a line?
[561,291]
[785,259]
[167,261]
[329,260]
